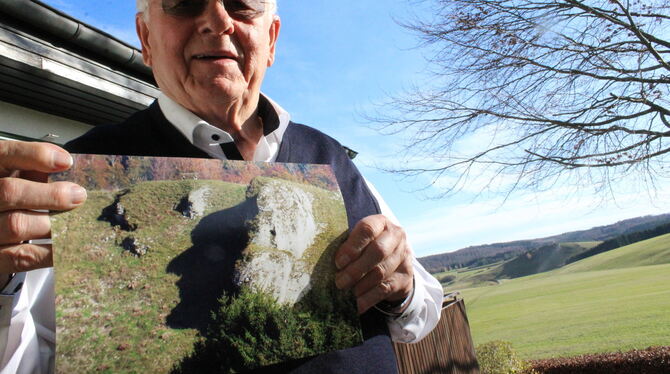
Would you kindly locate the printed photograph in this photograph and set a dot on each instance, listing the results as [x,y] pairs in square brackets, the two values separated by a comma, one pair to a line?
[193,266]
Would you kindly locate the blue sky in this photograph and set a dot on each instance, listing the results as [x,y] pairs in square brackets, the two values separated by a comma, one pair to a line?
[336,61]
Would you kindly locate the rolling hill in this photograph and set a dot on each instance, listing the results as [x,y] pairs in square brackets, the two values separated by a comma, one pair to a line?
[545,258]
[653,251]
[559,256]
[475,256]
[542,259]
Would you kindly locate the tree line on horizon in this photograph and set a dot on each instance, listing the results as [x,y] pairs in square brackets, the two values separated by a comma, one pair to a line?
[110,172]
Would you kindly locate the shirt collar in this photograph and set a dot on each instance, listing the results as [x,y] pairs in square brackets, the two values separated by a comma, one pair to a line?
[213,140]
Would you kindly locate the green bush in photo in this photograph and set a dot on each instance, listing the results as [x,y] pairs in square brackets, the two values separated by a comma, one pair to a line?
[252,330]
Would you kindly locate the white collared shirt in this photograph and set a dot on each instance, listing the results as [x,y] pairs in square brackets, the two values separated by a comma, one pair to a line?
[209,138]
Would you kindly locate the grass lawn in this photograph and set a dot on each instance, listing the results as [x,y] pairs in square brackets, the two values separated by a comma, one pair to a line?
[614,301]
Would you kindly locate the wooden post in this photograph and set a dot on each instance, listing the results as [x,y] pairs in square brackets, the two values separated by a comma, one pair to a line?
[447,349]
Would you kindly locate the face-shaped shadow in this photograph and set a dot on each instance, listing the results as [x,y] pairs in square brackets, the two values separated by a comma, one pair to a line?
[330,313]
[207,268]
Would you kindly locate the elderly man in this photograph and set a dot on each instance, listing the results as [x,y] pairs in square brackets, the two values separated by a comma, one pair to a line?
[209,58]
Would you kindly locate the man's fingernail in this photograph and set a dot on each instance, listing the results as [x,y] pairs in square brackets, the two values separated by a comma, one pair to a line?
[342,280]
[62,160]
[77,195]
[342,261]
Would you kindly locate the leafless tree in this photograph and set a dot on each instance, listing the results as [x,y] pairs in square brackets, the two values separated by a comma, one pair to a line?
[551,89]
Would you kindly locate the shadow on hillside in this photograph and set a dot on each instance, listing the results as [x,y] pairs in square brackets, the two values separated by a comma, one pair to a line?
[207,268]
[115,214]
[287,333]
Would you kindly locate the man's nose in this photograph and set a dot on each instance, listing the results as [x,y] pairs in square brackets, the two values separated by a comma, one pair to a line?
[215,19]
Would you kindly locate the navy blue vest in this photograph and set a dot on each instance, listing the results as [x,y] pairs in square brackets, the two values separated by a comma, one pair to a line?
[148,133]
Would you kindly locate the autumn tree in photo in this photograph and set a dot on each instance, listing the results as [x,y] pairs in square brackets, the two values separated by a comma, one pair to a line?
[533,92]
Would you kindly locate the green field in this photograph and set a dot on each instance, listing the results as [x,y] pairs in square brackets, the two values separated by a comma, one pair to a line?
[618,300]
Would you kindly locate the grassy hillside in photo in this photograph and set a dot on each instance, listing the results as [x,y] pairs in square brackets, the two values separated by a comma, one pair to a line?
[127,261]
[618,300]
[118,292]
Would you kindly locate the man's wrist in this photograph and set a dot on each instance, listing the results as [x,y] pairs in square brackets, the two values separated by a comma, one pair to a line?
[395,309]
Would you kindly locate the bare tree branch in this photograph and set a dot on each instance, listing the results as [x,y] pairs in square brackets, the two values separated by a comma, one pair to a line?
[542,87]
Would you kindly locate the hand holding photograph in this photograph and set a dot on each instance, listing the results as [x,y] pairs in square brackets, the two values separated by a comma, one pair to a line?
[194,266]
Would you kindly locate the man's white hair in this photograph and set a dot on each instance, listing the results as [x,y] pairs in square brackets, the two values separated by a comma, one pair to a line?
[142,6]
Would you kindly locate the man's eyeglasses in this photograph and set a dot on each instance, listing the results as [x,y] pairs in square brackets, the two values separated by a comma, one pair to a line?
[238,9]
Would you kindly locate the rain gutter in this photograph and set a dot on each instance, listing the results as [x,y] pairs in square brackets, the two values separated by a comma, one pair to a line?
[66,28]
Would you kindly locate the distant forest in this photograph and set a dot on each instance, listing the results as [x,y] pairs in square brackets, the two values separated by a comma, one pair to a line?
[111,172]
[613,236]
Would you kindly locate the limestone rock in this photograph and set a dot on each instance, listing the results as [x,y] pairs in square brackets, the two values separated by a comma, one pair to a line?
[194,204]
[283,229]
[285,217]
[278,273]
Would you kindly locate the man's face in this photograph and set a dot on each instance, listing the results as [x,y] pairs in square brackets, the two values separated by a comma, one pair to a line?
[205,53]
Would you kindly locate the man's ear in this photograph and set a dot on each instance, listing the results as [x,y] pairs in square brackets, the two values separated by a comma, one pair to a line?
[274,34]
[143,33]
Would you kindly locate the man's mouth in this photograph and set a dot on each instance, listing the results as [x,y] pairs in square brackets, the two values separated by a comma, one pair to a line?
[213,57]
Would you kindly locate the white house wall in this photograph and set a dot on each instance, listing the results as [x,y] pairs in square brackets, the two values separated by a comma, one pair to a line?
[28,123]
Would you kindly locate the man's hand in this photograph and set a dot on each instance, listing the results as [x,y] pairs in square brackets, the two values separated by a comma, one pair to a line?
[376,262]
[24,169]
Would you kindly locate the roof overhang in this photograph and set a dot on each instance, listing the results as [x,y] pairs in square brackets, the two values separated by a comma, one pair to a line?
[94,78]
